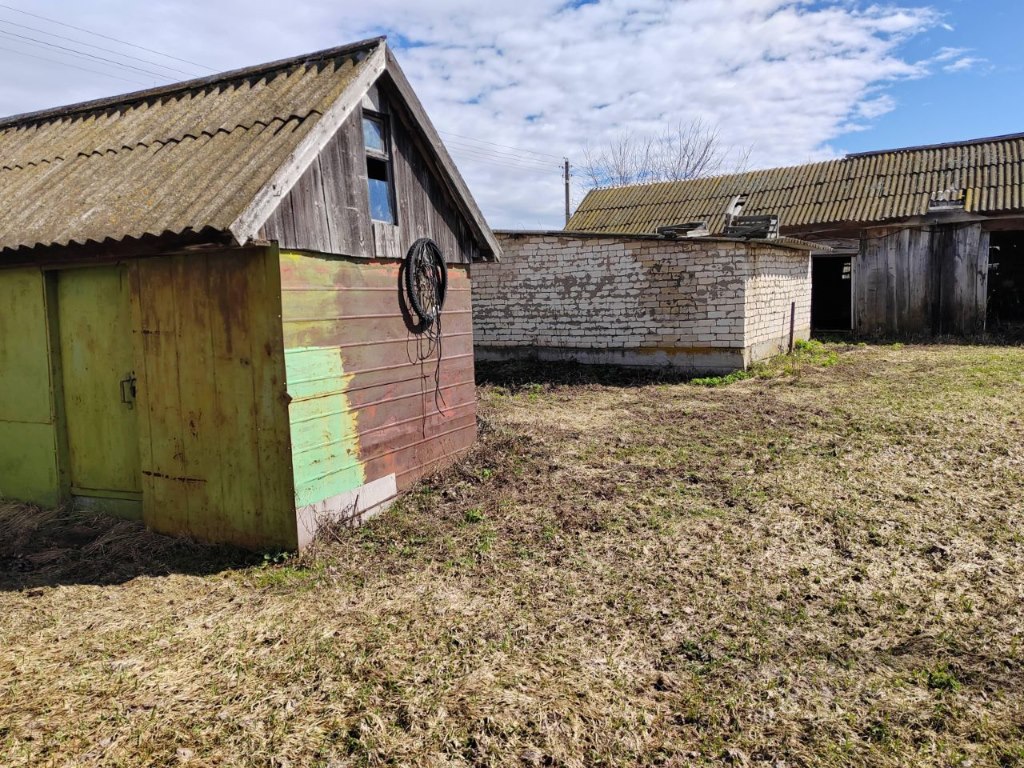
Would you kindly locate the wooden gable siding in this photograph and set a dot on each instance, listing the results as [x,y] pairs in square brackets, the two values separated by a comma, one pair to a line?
[910,281]
[211,397]
[327,211]
[365,404]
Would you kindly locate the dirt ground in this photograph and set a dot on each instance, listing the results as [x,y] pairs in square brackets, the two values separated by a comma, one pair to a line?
[822,565]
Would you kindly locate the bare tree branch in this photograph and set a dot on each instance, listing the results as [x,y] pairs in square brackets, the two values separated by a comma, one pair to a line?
[684,151]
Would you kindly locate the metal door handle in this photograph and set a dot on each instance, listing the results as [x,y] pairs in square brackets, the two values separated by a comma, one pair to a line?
[128,390]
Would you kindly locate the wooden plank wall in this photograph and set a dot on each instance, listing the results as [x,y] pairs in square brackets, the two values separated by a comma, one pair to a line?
[921,281]
[211,397]
[28,433]
[364,400]
[328,209]
[425,206]
[963,254]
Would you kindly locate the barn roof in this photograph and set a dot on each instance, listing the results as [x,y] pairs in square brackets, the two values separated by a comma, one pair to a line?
[985,176]
[210,154]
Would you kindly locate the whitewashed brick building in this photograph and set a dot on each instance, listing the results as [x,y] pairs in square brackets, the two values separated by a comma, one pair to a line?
[706,304]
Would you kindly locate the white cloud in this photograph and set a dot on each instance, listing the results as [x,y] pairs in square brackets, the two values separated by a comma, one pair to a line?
[869,109]
[782,75]
[964,64]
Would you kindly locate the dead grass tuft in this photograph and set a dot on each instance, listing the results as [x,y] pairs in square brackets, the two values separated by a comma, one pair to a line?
[43,547]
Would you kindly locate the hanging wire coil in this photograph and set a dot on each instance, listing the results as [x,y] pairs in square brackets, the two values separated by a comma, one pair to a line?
[426,280]
[426,283]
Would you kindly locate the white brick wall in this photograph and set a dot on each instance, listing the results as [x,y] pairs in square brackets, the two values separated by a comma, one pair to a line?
[556,291]
[776,281]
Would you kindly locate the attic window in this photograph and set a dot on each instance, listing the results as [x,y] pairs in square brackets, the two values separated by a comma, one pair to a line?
[378,169]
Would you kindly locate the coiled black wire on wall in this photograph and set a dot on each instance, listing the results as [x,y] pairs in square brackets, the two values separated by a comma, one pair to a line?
[426,283]
[426,280]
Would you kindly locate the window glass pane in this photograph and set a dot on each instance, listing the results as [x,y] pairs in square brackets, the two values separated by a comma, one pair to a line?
[373,134]
[380,201]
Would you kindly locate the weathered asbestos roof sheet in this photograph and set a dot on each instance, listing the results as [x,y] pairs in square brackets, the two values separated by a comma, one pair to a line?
[790,243]
[987,175]
[182,158]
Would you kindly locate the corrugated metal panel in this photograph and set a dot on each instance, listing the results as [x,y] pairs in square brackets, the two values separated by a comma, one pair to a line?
[186,157]
[865,188]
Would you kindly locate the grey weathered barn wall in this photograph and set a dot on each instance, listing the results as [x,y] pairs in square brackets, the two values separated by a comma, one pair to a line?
[922,280]
[326,211]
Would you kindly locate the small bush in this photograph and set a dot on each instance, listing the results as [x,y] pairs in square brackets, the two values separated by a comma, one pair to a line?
[721,381]
[941,678]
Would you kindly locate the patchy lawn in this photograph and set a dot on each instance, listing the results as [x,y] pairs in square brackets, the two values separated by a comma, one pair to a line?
[819,565]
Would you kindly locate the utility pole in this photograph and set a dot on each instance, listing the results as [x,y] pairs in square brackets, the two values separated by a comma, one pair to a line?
[566,179]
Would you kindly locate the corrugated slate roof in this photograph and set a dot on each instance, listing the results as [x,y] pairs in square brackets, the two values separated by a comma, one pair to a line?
[182,158]
[874,187]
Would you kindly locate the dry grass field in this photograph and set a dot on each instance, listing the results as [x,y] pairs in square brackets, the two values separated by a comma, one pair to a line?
[822,565]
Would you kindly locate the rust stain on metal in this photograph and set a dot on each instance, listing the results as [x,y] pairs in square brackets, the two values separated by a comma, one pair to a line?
[162,476]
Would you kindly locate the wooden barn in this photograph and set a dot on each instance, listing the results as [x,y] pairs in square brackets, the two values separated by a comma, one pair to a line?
[924,240]
[239,306]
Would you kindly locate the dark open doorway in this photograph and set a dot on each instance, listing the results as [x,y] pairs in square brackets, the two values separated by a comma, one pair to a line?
[1006,282]
[831,281]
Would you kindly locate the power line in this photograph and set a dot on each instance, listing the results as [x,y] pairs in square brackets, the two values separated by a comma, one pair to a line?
[97,47]
[500,153]
[499,158]
[505,161]
[494,144]
[73,66]
[76,52]
[525,168]
[106,37]
[497,163]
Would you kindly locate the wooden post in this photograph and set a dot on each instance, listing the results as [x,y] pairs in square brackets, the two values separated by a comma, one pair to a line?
[792,326]
[566,179]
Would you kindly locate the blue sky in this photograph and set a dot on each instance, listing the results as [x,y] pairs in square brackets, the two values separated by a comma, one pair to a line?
[985,99]
[515,85]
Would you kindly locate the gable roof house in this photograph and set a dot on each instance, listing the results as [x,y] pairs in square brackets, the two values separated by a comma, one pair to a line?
[214,316]
[925,239]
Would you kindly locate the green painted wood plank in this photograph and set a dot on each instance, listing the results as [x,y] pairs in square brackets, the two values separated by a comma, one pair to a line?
[93,307]
[270,398]
[197,394]
[28,470]
[165,495]
[241,498]
[24,360]
[142,386]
